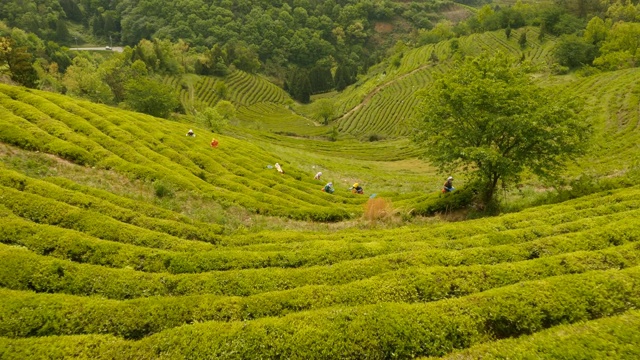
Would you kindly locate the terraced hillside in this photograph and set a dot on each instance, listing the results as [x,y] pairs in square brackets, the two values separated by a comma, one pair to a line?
[385,102]
[613,100]
[146,148]
[243,89]
[236,173]
[82,275]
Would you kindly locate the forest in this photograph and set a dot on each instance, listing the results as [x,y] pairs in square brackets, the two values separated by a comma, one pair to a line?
[305,47]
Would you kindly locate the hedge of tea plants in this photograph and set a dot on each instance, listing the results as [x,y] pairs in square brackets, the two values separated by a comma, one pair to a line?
[82,274]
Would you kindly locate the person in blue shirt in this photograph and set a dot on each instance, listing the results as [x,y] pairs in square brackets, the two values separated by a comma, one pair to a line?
[448,185]
[329,188]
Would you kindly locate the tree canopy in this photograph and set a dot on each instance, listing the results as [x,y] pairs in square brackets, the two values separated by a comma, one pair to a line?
[151,97]
[488,117]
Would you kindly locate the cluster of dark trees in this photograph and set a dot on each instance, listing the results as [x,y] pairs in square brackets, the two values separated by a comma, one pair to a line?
[273,35]
[18,61]
[309,46]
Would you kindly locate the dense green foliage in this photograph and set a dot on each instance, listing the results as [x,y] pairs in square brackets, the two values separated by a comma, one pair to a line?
[487,115]
[599,339]
[149,97]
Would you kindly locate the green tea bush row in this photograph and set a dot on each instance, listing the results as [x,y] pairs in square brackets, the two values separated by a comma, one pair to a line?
[104,136]
[19,132]
[29,314]
[386,330]
[22,270]
[80,247]
[434,239]
[403,331]
[76,347]
[23,183]
[46,211]
[534,222]
[615,337]
[139,207]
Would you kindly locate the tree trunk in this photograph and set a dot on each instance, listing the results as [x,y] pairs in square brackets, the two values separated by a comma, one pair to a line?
[491,187]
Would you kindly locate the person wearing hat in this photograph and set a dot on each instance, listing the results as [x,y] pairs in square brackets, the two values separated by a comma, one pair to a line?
[191,133]
[317,177]
[328,188]
[448,185]
[356,188]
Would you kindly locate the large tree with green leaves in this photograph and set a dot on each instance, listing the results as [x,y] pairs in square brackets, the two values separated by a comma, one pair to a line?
[151,97]
[488,117]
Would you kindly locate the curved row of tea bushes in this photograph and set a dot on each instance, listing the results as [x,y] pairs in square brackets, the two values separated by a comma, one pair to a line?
[615,337]
[46,211]
[80,247]
[385,330]
[534,222]
[432,238]
[485,233]
[29,314]
[23,270]
[205,232]
[116,139]
[140,207]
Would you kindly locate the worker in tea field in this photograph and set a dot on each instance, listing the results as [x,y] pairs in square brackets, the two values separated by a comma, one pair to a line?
[317,177]
[357,189]
[191,133]
[448,185]
[214,143]
[279,168]
[328,188]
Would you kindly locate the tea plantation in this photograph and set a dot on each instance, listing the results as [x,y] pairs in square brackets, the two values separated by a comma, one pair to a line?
[117,238]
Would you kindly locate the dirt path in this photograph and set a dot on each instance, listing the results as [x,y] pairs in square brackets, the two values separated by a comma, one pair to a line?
[377,89]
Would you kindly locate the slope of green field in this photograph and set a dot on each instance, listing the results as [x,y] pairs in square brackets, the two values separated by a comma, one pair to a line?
[146,148]
[238,172]
[386,108]
[278,119]
[243,89]
[82,275]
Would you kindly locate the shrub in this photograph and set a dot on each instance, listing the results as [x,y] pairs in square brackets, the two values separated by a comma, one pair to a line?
[162,189]
[447,202]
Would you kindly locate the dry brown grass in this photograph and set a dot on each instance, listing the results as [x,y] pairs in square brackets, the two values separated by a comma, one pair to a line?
[378,209]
